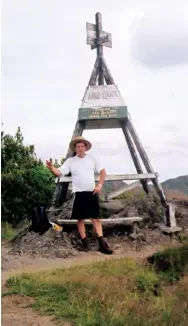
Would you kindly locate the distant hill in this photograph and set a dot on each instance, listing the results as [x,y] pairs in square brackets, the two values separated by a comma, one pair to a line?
[173,188]
[113,185]
[179,184]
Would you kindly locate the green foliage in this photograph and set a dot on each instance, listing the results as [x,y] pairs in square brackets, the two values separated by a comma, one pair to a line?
[7,231]
[25,181]
[171,263]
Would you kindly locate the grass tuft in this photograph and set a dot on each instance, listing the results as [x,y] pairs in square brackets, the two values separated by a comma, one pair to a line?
[171,263]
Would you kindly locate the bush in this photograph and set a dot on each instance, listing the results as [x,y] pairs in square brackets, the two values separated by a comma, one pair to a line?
[171,263]
[25,181]
[7,231]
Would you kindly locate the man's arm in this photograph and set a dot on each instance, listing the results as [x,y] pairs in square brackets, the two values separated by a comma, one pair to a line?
[101,181]
[102,177]
[55,171]
[62,170]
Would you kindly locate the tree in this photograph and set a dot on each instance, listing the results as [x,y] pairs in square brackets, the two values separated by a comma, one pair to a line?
[25,181]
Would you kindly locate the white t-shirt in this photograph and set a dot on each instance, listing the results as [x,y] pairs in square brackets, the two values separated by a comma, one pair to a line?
[83,172]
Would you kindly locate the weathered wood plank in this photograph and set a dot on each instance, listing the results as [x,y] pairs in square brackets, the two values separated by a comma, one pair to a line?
[107,74]
[90,26]
[98,19]
[94,74]
[117,177]
[123,189]
[122,220]
[146,161]
[101,73]
[134,154]
[168,229]
[102,124]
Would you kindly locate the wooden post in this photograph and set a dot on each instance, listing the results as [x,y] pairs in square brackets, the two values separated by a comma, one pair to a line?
[98,18]
[134,154]
[146,162]
[107,74]
[95,72]
[101,73]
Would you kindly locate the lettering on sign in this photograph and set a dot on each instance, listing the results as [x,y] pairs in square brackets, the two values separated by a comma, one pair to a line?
[103,113]
[105,95]
[102,96]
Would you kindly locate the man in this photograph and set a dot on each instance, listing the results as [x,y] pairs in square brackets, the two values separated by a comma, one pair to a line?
[86,204]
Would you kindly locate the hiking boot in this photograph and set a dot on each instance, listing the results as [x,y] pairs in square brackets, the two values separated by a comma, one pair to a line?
[85,244]
[103,247]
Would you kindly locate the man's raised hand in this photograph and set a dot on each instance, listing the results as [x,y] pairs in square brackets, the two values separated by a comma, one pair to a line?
[49,165]
[97,189]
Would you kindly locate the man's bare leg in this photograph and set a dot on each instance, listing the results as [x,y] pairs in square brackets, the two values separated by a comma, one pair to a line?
[81,228]
[82,232]
[98,227]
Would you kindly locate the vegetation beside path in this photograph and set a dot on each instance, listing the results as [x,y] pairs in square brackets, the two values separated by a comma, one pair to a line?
[114,292]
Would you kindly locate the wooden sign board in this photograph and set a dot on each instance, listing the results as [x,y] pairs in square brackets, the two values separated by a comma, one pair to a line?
[102,96]
[105,38]
[103,113]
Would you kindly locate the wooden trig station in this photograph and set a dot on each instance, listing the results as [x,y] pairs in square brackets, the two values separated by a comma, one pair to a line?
[103,107]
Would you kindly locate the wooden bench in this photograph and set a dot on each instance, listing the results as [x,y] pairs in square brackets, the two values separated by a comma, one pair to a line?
[131,221]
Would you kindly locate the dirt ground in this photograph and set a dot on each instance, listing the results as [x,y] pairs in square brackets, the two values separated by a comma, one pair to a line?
[15,312]
[32,253]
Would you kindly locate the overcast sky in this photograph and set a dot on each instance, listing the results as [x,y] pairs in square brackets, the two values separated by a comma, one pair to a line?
[46,66]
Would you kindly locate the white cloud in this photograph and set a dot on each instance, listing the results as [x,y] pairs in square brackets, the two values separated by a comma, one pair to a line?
[160,37]
[46,66]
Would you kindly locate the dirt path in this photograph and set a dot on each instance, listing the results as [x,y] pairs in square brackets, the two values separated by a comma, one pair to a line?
[15,310]
[43,264]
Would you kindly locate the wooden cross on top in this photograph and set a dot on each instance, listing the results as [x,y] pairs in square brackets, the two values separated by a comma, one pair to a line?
[96,37]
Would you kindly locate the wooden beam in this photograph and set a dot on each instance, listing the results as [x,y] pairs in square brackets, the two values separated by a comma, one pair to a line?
[95,72]
[121,220]
[122,190]
[98,19]
[134,154]
[117,177]
[168,229]
[101,73]
[146,162]
[107,74]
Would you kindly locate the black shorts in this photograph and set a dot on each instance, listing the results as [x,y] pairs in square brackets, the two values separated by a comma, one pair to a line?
[85,206]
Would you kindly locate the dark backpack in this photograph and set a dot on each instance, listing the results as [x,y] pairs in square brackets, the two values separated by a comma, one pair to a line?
[40,222]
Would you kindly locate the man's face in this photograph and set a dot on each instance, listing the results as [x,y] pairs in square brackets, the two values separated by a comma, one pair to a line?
[80,148]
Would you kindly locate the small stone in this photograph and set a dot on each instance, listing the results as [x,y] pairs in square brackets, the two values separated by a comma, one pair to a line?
[142,236]
[133,236]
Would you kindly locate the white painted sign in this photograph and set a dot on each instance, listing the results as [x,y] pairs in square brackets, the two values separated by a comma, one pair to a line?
[102,96]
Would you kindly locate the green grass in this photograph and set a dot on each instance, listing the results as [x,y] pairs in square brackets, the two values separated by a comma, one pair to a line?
[115,293]
[172,263]
[7,231]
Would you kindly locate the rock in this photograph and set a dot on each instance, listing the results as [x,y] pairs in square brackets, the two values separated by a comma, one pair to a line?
[133,211]
[112,207]
[66,209]
[65,252]
[133,236]
[142,236]
[46,245]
